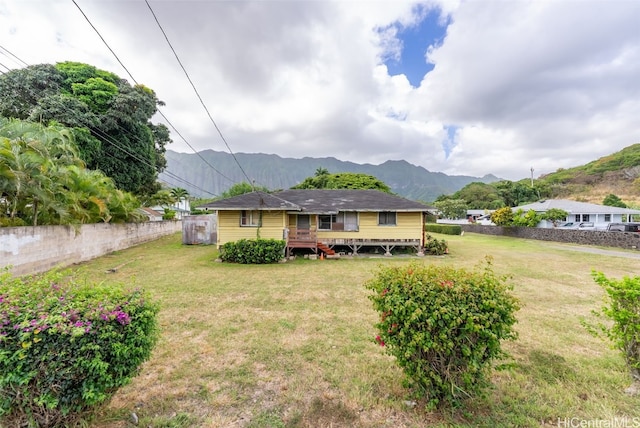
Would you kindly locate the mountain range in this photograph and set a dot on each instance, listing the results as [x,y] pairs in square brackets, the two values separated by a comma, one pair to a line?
[209,173]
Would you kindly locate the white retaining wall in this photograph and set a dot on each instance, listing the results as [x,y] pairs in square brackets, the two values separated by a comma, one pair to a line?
[37,249]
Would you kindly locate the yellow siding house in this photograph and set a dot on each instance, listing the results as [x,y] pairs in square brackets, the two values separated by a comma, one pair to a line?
[323,220]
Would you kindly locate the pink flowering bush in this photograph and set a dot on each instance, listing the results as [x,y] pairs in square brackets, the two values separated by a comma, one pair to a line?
[67,345]
[443,325]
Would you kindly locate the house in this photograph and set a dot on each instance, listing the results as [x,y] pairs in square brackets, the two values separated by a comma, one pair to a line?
[182,208]
[580,212]
[323,219]
[151,214]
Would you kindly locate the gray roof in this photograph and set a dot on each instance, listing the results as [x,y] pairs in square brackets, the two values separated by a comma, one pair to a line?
[316,201]
[575,207]
[252,201]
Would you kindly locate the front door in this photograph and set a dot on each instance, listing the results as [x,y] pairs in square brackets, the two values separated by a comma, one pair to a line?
[303,222]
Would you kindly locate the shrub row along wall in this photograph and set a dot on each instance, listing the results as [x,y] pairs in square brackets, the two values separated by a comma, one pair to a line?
[628,240]
[37,249]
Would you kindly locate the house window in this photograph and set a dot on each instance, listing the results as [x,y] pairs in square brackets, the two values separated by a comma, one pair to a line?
[325,221]
[578,217]
[387,218]
[607,217]
[342,221]
[351,221]
[585,217]
[250,218]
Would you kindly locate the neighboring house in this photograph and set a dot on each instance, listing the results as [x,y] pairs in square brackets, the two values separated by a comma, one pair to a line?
[181,207]
[472,216]
[580,212]
[152,214]
[322,219]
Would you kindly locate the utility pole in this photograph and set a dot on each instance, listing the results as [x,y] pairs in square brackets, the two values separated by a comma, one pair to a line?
[531,177]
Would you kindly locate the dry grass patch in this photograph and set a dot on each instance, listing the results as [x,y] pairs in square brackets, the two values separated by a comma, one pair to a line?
[291,345]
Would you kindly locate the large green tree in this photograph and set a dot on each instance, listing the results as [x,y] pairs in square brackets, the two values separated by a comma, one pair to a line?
[451,208]
[240,189]
[109,118]
[342,180]
[479,196]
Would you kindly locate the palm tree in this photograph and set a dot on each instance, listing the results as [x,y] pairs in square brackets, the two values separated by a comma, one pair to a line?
[179,194]
[42,179]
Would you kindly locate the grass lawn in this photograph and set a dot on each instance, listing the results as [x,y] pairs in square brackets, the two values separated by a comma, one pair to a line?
[291,345]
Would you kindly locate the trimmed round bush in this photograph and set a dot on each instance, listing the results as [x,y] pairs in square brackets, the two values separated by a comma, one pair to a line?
[67,345]
[444,326]
[253,251]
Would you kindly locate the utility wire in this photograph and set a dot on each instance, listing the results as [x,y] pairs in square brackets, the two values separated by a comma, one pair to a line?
[9,52]
[145,162]
[197,94]
[249,180]
[136,82]
[110,140]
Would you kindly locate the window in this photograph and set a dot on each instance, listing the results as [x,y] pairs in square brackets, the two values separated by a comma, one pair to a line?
[387,218]
[585,217]
[351,221]
[325,221]
[344,220]
[578,217]
[250,218]
[607,217]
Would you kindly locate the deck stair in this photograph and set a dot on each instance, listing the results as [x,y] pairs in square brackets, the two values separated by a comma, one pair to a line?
[328,251]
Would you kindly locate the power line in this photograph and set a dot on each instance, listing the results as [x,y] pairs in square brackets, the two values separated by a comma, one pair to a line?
[198,94]
[108,139]
[9,52]
[103,40]
[136,82]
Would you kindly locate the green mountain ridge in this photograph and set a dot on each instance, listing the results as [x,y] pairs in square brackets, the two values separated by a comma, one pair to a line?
[617,173]
[275,172]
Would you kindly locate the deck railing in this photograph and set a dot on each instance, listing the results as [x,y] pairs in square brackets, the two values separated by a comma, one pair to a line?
[306,235]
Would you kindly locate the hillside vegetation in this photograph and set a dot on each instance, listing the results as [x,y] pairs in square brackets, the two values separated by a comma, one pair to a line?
[617,173]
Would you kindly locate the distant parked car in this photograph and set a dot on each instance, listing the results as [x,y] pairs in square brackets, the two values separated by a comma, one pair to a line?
[624,227]
[587,225]
[569,225]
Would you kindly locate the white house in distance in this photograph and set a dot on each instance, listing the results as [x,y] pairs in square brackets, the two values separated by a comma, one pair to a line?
[580,212]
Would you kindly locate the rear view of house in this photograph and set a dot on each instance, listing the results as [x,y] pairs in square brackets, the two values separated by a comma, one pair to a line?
[323,219]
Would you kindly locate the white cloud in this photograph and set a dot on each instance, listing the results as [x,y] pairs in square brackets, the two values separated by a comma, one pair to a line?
[530,83]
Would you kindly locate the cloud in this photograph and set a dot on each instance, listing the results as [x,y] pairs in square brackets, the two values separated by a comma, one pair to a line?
[521,84]
[544,83]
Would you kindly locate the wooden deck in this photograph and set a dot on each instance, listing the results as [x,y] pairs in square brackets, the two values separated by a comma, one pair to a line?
[307,238]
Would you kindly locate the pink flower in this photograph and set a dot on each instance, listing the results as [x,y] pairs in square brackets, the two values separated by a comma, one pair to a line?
[379,340]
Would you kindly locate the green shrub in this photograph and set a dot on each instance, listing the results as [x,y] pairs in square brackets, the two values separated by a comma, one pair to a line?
[444,326]
[528,219]
[67,345]
[435,246]
[623,309]
[445,229]
[12,222]
[169,214]
[502,216]
[253,251]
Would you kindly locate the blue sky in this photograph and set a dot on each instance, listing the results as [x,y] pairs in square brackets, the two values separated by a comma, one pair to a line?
[415,40]
[507,85]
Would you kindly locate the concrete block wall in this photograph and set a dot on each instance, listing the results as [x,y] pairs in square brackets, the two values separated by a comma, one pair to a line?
[628,240]
[37,249]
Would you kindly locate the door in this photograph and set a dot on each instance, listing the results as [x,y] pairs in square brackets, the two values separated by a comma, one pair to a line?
[303,222]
